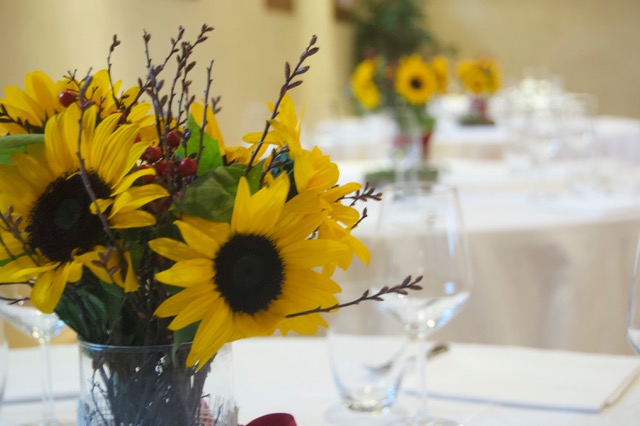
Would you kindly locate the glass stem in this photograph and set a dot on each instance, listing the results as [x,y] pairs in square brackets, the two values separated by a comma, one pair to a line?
[48,414]
[421,363]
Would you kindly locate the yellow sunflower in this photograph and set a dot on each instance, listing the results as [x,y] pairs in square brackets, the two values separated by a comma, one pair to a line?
[316,174]
[363,84]
[285,128]
[42,98]
[440,67]
[241,279]
[415,81]
[480,76]
[33,105]
[44,188]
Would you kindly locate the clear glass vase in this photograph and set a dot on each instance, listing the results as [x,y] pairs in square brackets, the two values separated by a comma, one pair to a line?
[151,385]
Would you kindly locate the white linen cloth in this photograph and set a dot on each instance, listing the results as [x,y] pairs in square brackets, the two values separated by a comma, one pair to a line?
[24,382]
[528,377]
[293,375]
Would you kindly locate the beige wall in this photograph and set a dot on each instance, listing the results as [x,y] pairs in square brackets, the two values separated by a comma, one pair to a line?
[591,44]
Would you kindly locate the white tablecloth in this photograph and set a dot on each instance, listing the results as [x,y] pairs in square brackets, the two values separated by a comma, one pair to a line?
[293,375]
[550,271]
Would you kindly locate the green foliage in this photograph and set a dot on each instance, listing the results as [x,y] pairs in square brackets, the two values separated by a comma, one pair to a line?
[390,29]
[16,143]
[211,196]
[92,309]
[211,156]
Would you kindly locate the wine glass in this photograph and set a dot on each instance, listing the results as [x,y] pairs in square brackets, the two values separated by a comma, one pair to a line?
[420,233]
[16,308]
[633,319]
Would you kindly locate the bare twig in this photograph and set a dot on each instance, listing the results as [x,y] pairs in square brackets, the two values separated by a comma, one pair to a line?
[115,43]
[289,84]
[84,105]
[364,195]
[407,284]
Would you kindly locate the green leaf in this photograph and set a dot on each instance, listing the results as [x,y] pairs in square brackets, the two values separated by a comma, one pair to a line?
[20,141]
[212,195]
[211,157]
[184,335]
[16,143]
[255,177]
[5,154]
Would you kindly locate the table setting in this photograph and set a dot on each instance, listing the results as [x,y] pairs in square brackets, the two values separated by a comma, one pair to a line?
[447,258]
[475,384]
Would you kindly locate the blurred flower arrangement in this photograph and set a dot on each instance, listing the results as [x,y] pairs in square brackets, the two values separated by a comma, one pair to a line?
[403,89]
[481,79]
[133,220]
[400,67]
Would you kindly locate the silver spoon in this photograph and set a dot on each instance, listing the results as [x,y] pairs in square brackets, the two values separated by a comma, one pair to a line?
[436,349]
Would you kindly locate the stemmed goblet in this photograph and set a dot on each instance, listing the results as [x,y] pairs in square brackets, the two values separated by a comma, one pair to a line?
[633,319]
[17,310]
[420,232]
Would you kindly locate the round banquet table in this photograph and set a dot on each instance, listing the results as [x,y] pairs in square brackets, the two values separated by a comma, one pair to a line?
[550,270]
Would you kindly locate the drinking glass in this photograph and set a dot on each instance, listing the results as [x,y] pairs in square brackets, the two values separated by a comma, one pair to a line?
[366,352]
[420,233]
[633,319]
[16,308]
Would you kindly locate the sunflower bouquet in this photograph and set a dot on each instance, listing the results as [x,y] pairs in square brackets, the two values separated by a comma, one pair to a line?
[403,89]
[128,215]
[481,79]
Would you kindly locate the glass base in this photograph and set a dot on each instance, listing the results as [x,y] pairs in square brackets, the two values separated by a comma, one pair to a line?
[433,422]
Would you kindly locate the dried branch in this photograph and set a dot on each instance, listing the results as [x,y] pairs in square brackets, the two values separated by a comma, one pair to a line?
[84,105]
[204,114]
[115,43]
[364,195]
[407,284]
[288,85]
[13,226]
[362,217]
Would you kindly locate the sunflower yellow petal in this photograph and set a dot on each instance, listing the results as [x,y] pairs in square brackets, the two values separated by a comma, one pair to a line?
[187,273]
[193,311]
[306,324]
[218,231]
[133,219]
[48,288]
[179,301]
[311,253]
[136,197]
[131,178]
[174,250]
[131,281]
[198,240]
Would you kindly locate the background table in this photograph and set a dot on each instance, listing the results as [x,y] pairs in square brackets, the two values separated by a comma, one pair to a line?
[550,270]
[293,375]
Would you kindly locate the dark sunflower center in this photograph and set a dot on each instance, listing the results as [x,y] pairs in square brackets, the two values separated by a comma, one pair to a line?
[416,83]
[61,220]
[250,273]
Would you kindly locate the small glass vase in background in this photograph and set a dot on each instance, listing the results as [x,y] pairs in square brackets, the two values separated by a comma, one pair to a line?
[151,385]
[478,113]
[410,141]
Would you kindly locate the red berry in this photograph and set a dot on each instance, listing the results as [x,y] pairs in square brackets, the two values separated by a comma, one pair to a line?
[173,139]
[165,167]
[151,154]
[188,166]
[147,178]
[67,97]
